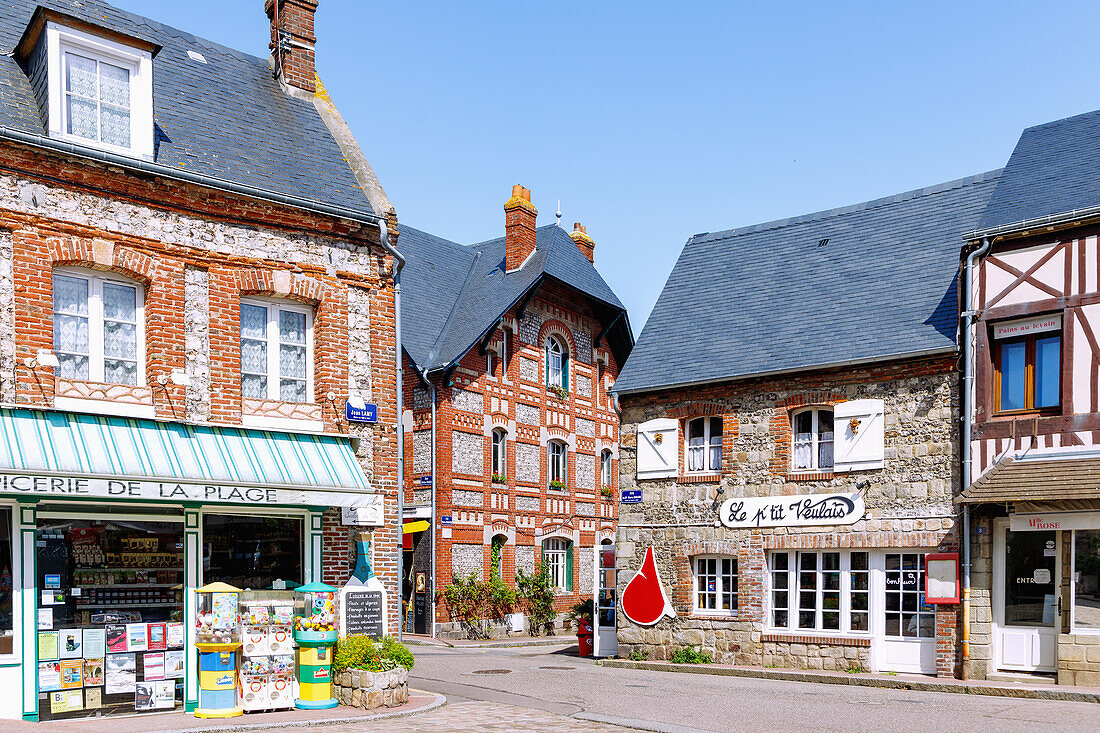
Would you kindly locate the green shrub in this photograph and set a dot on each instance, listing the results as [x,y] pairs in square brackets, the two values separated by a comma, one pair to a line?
[687,655]
[639,654]
[473,603]
[362,652]
[537,592]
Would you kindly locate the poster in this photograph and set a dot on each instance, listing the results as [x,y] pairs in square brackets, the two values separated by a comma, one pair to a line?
[93,698]
[94,644]
[72,644]
[158,640]
[116,638]
[143,696]
[93,672]
[164,695]
[72,674]
[52,581]
[153,666]
[67,701]
[137,638]
[173,664]
[47,645]
[53,598]
[49,676]
[45,618]
[175,635]
[120,673]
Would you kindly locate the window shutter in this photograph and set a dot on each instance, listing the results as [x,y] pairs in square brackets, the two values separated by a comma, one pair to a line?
[565,370]
[658,447]
[861,448]
[546,356]
[569,567]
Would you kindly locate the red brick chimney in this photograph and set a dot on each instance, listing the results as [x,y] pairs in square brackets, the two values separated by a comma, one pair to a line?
[519,228]
[293,41]
[583,241]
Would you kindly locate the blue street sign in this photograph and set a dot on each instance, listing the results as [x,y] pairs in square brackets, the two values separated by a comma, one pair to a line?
[631,496]
[445,520]
[981,530]
[366,413]
[425,480]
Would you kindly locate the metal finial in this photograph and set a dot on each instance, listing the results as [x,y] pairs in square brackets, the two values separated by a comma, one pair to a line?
[558,215]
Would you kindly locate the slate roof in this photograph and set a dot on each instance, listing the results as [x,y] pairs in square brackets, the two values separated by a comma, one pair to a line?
[452,294]
[1055,169]
[228,118]
[857,284]
[1035,480]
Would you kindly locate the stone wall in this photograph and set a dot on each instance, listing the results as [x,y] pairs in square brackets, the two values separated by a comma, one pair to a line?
[467,559]
[909,501]
[467,451]
[369,690]
[1079,659]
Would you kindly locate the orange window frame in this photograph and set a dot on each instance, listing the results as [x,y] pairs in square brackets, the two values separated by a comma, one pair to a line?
[1029,375]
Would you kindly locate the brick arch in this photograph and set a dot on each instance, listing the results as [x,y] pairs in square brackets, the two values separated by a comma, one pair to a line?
[554,327]
[499,420]
[811,399]
[103,255]
[700,409]
[282,284]
[558,433]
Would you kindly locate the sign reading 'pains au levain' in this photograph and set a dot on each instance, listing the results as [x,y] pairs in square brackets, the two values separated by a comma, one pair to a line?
[644,600]
[792,511]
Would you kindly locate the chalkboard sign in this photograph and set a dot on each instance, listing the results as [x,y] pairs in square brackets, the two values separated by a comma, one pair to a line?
[363,613]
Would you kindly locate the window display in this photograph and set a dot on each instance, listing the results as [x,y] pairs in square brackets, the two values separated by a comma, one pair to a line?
[1086,580]
[252,552]
[111,590]
[7,628]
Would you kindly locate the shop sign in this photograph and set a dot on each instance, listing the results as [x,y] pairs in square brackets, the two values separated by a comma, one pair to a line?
[368,514]
[630,496]
[792,511]
[1047,521]
[1026,326]
[91,487]
[366,413]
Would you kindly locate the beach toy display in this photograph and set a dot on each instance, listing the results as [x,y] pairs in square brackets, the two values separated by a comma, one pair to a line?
[267,654]
[315,633]
[218,638]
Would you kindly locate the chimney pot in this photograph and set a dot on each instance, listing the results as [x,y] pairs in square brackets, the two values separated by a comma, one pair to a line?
[583,241]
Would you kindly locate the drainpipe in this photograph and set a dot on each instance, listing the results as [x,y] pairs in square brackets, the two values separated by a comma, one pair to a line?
[398,263]
[968,387]
[431,585]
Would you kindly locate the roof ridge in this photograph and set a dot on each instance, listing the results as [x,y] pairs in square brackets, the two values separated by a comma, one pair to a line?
[1062,121]
[849,209]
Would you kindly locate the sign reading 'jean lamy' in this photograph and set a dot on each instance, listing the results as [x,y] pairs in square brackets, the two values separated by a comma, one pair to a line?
[792,511]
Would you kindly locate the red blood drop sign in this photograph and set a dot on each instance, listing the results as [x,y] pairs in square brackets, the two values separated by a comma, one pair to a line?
[644,600]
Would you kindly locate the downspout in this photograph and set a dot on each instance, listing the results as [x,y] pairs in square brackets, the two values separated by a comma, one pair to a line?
[968,387]
[431,586]
[398,263]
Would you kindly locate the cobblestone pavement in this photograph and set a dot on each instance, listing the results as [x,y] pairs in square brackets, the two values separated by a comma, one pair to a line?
[462,717]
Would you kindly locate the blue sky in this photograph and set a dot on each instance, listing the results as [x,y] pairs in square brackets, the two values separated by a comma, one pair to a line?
[653,121]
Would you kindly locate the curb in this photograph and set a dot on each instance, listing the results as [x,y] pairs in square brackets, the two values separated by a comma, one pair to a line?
[493,643]
[857,680]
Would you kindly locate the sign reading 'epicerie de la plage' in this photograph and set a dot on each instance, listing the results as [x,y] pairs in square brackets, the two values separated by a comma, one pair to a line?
[792,511]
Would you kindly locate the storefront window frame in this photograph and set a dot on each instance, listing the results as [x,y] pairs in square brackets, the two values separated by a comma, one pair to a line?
[16,656]
[1074,628]
[284,513]
[793,571]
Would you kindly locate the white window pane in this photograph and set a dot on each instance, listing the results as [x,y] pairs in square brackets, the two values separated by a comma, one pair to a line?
[120,372]
[254,387]
[716,457]
[119,340]
[253,357]
[80,76]
[72,366]
[70,334]
[119,302]
[292,362]
[70,295]
[292,327]
[803,422]
[292,390]
[802,454]
[115,126]
[825,454]
[114,85]
[82,118]
[253,322]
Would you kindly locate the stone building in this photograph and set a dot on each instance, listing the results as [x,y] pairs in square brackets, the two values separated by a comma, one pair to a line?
[517,340]
[194,278]
[789,416]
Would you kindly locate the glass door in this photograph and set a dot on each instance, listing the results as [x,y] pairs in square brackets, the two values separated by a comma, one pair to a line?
[605,643]
[909,643]
[1026,607]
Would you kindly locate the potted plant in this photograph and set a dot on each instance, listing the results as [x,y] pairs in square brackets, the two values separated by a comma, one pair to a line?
[499,479]
[606,492]
[559,485]
[581,614]
[561,392]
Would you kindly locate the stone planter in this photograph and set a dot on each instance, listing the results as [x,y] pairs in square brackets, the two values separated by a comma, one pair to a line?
[369,690]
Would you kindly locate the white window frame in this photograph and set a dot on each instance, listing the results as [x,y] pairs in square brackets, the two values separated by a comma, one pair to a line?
[61,40]
[274,306]
[605,468]
[721,589]
[555,552]
[561,354]
[489,363]
[96,368]
[707,446]
[1074,628]
[815,440]
[793,592]
[499,463]
[13,533]
[551,468]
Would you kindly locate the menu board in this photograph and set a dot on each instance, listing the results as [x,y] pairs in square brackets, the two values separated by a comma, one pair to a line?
[363,613]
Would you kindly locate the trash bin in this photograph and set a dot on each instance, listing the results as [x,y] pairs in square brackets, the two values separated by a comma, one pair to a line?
[584,637]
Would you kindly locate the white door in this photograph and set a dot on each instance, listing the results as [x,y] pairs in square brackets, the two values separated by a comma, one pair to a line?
[1025,592]
[907,626]
[605,643]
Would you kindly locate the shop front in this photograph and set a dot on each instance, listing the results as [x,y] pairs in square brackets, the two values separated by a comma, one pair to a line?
[111,524]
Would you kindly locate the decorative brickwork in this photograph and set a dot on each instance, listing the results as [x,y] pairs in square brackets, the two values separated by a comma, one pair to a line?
[586,472]
[466,400]
[583,386]
[467,453]
[120,393]
[285,410]
[528,369]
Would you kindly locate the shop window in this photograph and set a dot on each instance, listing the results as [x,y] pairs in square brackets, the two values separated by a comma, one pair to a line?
[704,445]
[558,556]
[98,329]
[1027,373]
[1086,580]
[7,604]
[715,580]
[557,363]
[276,352]
[906,613]
[500,455]
[605,471]
[813,439]
[557,458]
[496,557]
[819,591]
[252,552]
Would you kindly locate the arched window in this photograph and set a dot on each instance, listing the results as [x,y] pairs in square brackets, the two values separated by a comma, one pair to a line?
[500,456]
[605,471]
[813,439]
[704,444]
[557,363]
[496,557]
[98,328]
[558,556]
[557,459]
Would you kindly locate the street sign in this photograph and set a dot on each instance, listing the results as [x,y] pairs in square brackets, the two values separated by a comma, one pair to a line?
[445,520]
[425,480]
[366,413]
[631,496]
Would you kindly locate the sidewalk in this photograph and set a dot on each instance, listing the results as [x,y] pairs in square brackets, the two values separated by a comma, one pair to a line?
[180,722]
[506,642]
[884,680]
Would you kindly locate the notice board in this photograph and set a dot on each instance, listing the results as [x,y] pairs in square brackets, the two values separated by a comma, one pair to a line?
[363,613]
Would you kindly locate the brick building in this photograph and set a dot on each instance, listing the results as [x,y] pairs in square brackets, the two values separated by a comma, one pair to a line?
[789,415]
[194,278]
[517,339]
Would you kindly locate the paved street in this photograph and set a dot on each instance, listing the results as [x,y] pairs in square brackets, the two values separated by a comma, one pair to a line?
[549,689]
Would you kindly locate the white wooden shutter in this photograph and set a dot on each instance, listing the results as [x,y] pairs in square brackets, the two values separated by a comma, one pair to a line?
[658,448]
[858,435]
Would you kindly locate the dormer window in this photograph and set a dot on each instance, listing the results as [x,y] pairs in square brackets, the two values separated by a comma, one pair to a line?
[100,91]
